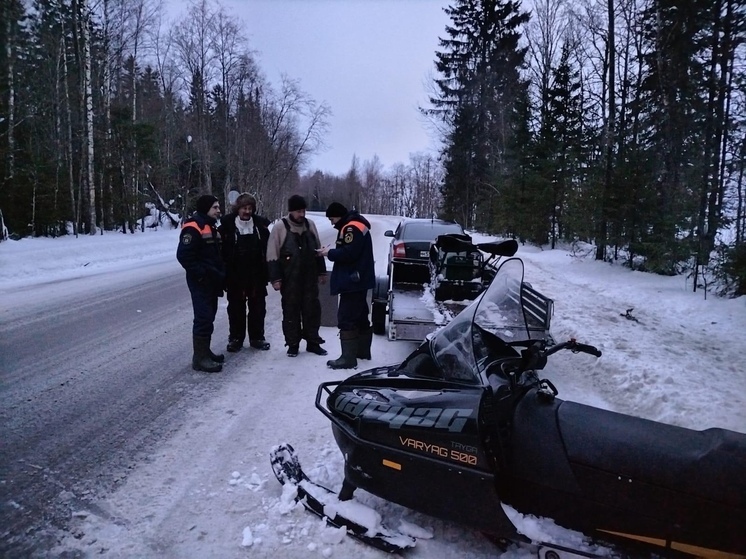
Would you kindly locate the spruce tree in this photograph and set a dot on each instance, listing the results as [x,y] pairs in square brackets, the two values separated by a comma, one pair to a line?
[478,90]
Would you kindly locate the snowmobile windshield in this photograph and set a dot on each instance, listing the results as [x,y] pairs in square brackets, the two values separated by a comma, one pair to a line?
[500,317]
[481,332]
[451,349]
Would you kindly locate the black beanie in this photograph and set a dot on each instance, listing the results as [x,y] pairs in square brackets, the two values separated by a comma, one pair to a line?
[336,209]
[205,202]
[296,202]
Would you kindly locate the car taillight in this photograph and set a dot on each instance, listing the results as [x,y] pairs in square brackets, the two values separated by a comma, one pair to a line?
[399,250]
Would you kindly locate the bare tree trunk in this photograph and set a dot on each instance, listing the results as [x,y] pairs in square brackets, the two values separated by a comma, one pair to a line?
[722,116]
[609,139]
[138,14]
[86,36]
[11,96]
[741,206]
[107,203]
[69,143]
[57,126]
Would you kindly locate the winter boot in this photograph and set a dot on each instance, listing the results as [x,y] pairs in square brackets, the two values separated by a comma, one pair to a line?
[260,344]
[313,347]
[201,360]
[217,357]
[363,345]
[348,339]
[234,345]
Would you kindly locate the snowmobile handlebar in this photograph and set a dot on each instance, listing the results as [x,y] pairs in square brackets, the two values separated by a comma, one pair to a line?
[573,345]
[535,355]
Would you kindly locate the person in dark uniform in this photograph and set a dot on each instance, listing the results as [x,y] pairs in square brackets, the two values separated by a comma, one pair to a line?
[199,254]
[353,275]
[244,236]
[295,270]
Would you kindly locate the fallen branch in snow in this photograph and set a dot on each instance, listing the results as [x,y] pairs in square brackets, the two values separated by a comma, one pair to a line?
[628,315]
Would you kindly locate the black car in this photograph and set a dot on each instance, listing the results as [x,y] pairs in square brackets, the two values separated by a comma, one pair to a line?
[412,239]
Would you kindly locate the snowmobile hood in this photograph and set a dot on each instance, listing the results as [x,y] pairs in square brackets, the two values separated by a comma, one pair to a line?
[498,317]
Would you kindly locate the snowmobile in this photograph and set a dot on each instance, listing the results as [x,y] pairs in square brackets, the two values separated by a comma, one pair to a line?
[465,425]
[454,274]
[461,270]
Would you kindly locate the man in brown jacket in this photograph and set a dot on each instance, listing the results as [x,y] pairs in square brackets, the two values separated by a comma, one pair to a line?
[295,270]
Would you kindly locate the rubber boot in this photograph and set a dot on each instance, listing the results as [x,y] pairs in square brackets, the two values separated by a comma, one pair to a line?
[363,344]
[201,360]
[348,339]
[217,357]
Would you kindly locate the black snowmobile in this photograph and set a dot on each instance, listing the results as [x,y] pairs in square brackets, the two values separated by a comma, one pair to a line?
[465,425]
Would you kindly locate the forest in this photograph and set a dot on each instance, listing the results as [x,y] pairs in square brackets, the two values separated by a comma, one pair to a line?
[614,123]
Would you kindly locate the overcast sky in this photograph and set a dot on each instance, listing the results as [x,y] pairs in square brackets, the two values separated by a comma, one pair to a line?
[369,60]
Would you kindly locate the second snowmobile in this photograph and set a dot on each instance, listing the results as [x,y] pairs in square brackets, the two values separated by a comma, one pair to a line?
[465,425]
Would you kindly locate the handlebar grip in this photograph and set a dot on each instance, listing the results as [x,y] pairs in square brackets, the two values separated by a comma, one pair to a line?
[585,348]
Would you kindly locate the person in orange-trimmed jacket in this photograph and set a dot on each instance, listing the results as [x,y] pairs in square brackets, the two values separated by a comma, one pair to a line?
[353,275]
[199,254]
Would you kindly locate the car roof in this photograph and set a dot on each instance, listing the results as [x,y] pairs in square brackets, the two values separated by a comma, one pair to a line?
[434,221]
[426,230]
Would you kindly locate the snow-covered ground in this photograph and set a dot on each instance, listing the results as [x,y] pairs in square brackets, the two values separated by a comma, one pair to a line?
[668,354]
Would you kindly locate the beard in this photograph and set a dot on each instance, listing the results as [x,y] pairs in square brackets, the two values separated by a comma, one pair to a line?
[297,221]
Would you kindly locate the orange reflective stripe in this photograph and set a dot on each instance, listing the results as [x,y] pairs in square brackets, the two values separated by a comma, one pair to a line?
[361,226]
[205,229]
[205,232]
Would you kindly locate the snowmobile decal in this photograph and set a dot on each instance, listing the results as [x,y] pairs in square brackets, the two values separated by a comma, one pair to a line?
[451,419]
[439,451]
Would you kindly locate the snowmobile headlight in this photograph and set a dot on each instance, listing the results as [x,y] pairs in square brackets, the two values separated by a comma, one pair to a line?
[366,394]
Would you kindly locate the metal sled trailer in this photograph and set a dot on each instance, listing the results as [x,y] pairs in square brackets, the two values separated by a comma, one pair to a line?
[403,309]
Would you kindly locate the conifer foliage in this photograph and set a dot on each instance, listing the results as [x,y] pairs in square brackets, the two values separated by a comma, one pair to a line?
[478,97]
[618,123]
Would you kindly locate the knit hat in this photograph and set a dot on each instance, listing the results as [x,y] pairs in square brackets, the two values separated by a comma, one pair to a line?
[245,199]
[336,209]
[296,202]
[205,202]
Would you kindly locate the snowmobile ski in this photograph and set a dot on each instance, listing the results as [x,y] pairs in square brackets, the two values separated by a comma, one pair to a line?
[287,469]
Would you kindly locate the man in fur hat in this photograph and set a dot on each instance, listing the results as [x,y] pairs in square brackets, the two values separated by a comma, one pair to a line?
[244,236]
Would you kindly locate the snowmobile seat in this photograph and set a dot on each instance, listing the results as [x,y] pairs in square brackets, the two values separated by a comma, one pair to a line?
[450,244]
[709,464]
[454,242]
[455,259]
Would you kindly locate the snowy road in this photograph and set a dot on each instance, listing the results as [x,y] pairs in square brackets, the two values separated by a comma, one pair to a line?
[91,379]
[109,433]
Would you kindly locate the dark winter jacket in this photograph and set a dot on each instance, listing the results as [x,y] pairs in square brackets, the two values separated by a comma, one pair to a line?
[199,252]
[354,267]
[244,269]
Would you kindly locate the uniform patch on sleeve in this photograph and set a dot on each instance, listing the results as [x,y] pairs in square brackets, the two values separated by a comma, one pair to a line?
[349,235]
[186,238]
